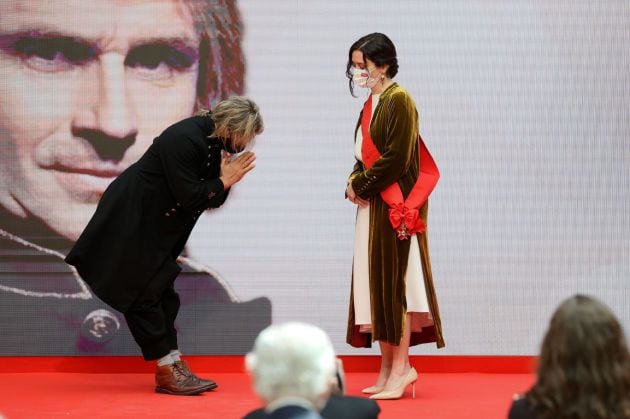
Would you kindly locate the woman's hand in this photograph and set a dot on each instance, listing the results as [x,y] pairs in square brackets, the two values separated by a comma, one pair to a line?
[352,197]
[233,170]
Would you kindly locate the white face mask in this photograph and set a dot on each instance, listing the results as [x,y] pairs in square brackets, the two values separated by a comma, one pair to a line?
[361,78]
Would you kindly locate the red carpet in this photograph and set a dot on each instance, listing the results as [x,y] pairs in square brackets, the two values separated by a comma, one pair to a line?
[122,387]
[52,394]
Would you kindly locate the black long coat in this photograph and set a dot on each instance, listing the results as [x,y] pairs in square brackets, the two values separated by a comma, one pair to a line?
[146,215]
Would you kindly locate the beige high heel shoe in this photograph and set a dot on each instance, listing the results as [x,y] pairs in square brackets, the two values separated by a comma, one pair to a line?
[375,389]
[372,390]
[397,393]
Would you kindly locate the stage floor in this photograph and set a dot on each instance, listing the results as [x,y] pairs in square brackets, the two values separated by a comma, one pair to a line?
[125,395]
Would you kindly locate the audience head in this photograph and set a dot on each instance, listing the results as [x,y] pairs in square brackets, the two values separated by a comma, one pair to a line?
[584,367]
[293,360]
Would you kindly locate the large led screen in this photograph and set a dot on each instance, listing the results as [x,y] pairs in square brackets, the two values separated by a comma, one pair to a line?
[524,106]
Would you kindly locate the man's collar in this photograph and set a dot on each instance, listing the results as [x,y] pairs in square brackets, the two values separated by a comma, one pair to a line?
[289,401]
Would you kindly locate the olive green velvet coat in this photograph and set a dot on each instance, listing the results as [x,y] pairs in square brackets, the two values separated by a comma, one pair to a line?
[394,130]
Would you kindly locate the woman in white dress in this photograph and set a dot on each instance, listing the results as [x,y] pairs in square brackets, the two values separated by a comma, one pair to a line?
[393,299]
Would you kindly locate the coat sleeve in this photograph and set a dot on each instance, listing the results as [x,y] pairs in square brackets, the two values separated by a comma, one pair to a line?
[358,168]
[181,160]
[219,199]
[401,136]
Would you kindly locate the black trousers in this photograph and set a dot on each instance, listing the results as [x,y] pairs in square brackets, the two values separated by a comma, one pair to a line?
[151,318]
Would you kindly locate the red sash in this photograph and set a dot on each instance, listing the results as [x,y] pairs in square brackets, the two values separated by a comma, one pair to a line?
[403,213]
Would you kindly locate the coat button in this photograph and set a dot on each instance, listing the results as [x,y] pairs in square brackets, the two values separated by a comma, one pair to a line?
[207,164]
[202,179]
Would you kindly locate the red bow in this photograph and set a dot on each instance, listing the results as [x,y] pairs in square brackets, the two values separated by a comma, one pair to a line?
[404,218]
[406,221]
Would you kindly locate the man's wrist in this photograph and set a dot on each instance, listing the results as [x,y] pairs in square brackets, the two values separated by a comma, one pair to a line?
[224,182]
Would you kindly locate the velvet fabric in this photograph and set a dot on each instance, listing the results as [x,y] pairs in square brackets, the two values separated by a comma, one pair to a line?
[394,130]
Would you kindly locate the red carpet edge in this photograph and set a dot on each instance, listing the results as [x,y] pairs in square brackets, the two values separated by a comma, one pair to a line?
[235,364]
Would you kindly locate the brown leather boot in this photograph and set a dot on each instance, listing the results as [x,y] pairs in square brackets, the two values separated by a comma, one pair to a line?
[172,379]
[211,385]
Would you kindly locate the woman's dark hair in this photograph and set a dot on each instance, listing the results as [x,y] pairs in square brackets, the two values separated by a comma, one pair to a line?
[379,49]
[584,366]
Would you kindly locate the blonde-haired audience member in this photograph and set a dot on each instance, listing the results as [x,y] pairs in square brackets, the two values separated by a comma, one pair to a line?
[295,373]
[293,368]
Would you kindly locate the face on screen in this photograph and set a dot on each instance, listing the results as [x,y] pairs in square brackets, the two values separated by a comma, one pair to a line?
[85,86]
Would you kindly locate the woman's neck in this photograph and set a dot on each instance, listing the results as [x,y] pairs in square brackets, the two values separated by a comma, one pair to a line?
[381,86]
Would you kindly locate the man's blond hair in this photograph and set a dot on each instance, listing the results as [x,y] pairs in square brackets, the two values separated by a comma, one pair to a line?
[237,118]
